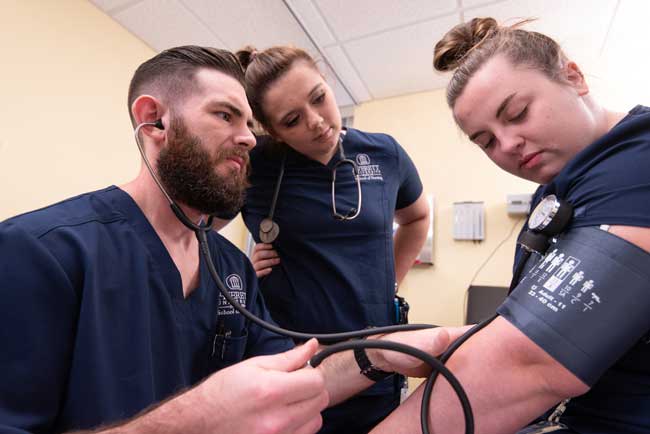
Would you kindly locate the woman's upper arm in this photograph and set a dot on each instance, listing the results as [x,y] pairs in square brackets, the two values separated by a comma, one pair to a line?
[415,211]
[634,234]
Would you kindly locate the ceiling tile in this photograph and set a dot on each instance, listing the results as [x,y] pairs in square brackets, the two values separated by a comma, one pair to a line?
[312,19]
[579,26]
[624,60]
[348,74]
[621,41]
[110,5]
[165,23]
[341,95]
[352,19]
[467,4]
[400,61]
[249,24]
[387,44]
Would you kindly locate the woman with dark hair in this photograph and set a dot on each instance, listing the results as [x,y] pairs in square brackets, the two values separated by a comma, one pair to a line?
[321,207]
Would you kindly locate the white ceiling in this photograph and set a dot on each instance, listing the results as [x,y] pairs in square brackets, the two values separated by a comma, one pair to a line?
[376,48]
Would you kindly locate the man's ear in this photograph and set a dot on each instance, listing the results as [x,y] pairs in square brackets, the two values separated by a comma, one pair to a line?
[148,109]
[574,77]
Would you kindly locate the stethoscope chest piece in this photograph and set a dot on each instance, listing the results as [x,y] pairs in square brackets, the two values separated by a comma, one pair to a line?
[269,230]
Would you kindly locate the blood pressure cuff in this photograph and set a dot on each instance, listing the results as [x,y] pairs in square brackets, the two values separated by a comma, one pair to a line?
[586,302]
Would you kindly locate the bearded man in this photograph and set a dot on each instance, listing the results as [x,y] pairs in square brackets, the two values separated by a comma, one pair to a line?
[110,320]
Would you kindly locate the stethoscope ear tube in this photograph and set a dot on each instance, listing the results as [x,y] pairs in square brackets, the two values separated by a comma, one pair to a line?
[436,365]
[269,229]
[201,230]
[354,212]
[336,337]
[551,216]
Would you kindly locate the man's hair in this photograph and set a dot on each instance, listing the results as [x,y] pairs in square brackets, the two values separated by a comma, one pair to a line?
[170,75]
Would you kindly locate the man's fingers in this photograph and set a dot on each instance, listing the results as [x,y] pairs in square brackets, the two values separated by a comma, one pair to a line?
[290,360]
[432,341]
[304,417]
[440,341]
[312,426]
[302,385]
[456,332]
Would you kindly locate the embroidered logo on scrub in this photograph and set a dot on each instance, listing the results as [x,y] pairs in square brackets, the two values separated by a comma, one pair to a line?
[368,171]
[235,286]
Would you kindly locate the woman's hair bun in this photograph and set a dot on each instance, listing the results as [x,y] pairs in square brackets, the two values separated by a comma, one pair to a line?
[460,40]
[246,55]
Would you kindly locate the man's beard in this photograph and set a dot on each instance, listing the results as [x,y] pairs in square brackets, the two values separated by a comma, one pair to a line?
[187,171]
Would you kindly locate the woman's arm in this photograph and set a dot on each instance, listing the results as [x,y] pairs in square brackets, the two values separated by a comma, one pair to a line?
[411,234]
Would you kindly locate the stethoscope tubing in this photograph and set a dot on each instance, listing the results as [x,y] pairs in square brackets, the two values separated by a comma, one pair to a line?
[428,387]
[325,337]
[202,229]
[435,365]
[269,228]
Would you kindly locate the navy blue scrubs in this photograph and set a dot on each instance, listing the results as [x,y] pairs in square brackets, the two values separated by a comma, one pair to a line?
[94,327]
[607,183]
[334,275]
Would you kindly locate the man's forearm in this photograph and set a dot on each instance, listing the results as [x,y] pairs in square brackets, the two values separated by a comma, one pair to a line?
[173,416]
[343,377]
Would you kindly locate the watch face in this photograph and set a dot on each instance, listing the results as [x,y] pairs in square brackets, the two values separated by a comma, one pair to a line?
[543,213]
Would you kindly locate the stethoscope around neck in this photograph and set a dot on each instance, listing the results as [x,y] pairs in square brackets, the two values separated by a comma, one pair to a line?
[353,339]
[269,229]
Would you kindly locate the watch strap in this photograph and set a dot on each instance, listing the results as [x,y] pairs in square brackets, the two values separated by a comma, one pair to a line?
[367,368]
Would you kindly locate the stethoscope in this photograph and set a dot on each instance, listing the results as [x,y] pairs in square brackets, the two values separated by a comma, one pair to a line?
[269,229]
[548,219]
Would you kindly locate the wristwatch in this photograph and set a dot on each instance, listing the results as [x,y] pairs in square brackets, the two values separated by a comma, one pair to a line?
[367,368]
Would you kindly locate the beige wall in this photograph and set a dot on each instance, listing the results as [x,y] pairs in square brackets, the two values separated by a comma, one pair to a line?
[64,129]
[452,169]
[64,126]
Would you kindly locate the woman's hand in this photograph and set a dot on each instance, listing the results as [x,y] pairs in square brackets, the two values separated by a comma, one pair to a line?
[264,258]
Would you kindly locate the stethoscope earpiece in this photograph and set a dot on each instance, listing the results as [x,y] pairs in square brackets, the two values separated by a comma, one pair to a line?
[201,227]
[269,231]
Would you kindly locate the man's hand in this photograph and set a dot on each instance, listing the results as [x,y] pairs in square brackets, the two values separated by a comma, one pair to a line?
[269,394]
[433,341]
[264,258]
[263,395]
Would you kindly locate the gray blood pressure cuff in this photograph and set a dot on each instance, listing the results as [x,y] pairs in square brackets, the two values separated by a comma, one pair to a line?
[586,302]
